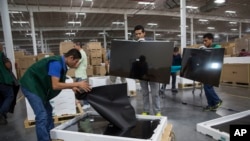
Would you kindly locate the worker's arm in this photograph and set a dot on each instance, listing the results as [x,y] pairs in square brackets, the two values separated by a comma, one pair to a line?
[57,85]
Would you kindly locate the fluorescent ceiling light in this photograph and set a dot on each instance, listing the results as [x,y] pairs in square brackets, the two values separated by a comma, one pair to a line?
[74,22]
[20,22]
[192,7]
[102,33]
[117,22]
[210,28]
[15,12]
[234,29]
[219,1]
[157,34]
[152,24]
[30,34]
[81,13]
[70,33]
[146,3]
[230,12]
[89,0]
[203,20]
[233,22]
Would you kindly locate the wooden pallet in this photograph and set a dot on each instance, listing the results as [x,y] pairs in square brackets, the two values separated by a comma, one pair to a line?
[236,84]
[167,133]
[57,119]
[189,85]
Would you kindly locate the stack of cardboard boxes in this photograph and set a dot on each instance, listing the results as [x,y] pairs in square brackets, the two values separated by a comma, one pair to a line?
[25,61]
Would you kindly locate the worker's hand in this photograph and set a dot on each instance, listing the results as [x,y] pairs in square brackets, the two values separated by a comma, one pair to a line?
[83,85]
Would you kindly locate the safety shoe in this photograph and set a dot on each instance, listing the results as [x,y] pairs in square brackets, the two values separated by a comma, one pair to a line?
[174,90]
[208,108]
[217,105]
[144,113]
[158,114]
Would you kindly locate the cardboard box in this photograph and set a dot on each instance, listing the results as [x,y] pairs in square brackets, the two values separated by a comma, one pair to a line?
[94,45]
[95,53]
[44,55]
[99,70]
[236,73]
[65,47]
[18,54]
[71,72]
[95,60]
[90,71]
[26,61]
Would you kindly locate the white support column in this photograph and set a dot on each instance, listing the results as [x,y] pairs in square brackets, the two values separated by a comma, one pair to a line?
[104,39]
[183,24]
[154,35]
[126,26]
[41,38]
[240,26]
[183,27]
[192,31]
[7,33]
[33,33]
[227,37]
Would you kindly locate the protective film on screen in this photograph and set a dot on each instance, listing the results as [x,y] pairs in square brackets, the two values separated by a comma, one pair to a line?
[202,65]
[147,60]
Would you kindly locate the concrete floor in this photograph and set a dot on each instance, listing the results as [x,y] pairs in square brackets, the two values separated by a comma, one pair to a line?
[184,111]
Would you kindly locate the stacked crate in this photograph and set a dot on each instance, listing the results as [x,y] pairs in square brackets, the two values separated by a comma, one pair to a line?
[95,54]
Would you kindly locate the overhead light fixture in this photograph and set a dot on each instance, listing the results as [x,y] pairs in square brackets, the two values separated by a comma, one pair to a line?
[15,12]
[146,3]
[234,29]
[118,23]
[192,7]
[203,20]
[74,22]
[233,22]
[102,33]
[219,1]
[70,33]
[152,24]
[211,28]
[20,22]
[81,13]
[89,0]
[157,34]
[230,12]
[30,34]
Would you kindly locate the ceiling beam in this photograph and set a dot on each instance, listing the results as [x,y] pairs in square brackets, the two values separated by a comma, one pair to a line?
[110,29]
[120,11]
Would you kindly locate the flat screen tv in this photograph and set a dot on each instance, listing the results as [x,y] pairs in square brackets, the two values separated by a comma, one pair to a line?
[202,65]
[146,60]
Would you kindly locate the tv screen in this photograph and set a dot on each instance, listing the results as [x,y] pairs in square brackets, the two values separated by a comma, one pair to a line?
[202,65]
[147,60]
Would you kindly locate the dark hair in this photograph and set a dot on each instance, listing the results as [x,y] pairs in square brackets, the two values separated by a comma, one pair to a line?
[73,52]
[79,44]
[209,36]
[139,27]
[176,49]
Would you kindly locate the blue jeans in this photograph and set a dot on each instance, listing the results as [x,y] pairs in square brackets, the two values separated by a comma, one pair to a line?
[6,98]
[43,113]
[212,97]
[78,79]
[154,87]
